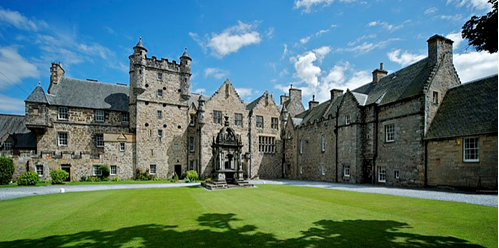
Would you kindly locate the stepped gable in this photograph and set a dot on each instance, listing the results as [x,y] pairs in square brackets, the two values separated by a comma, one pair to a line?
[467,109]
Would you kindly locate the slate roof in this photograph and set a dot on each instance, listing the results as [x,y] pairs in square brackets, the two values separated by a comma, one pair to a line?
[467,109]
[253,104]
[89,94]
[14,125]
[38,95]
[402,84]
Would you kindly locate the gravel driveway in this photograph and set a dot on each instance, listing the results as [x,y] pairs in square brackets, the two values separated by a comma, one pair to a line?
[480,199]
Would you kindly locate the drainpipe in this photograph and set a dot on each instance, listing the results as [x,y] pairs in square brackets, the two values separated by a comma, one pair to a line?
[376,126]
[336,141]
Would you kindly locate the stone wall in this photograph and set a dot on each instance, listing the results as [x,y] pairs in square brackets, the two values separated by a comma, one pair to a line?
[447,168]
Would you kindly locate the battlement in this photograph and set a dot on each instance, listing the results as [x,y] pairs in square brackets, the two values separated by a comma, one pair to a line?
[162,64]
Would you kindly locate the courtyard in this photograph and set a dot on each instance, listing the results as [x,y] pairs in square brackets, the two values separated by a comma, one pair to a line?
[266,216]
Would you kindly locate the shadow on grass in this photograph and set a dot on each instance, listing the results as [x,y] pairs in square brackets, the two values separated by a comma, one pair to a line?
[218,232]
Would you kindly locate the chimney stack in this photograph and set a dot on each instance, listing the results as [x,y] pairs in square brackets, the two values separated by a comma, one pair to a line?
[379,73]
[295,94]
[335,93]
[284,98]
[438,47]
[313,103]
[56,74]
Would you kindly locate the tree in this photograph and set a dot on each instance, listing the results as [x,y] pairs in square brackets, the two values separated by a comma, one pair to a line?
[481,32]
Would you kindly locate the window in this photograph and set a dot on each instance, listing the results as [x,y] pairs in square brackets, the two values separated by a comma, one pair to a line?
[160,93]
[238,120]
[96,171]
[152,169]
[435,97]
[266,144]
[382,174]
[122,146]
[191,144]
[471,149]
[217,117]
[99,115]
[396,174]
[124,117]
[323,172]
[274,123]
[7,145]
[160,114]
[39,169]
[300,147]
[99,140]
[390,133]
[346,170]
[160,133]
[62,139]
[113,170]
[347,119]
[191,165]
[160,76]
[63,113]
[323,143]
[193,120]
[259,121]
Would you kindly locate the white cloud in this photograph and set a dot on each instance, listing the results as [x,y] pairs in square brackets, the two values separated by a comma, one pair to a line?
[11,105]
[14,67]
[306,70]
[199,91]
[285,52]
[321,32]
[364,37]
[475,65]
[216,73]
[244,92]
[270,33]
[366,47]
[405,58]
[304,40]
[474,4]
[386,25]
[230,40]
[452,18]
[321,52]
[308,4]
[19,21]
[283,73]
[456,37]
[430,11]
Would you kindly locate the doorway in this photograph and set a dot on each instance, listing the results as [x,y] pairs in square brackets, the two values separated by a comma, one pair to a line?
[178,170]
[67,168]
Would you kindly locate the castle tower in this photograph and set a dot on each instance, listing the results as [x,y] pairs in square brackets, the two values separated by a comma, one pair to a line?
[185,74]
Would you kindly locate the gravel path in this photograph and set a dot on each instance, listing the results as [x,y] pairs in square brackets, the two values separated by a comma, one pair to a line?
[16,192]
[480,199]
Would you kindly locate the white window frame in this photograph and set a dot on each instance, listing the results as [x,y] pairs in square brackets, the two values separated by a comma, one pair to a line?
[122,146]
[151,171]
[99,140]
[382,174]
[191,144]
[99,116]
[62,113]
[346,170]
[259,121]
[396,174]
[62,139]
[274,123]
[390,133]
[96,171]
[238,119]
[39,172]
[323,143]
[113,170]
[347,119]
[7,145]
[468,147]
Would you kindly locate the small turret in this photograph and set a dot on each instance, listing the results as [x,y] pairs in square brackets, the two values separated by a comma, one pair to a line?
[201,102]
[137,49]
[185,62]
[185,71]
[138,67]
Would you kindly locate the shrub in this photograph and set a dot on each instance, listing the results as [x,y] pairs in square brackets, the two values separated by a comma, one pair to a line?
[93,179]
[175,178]
[143,176]
[6,170]
[83,179]
[192,175]
[28,178]
[116,179]
[104,171]
[58,176]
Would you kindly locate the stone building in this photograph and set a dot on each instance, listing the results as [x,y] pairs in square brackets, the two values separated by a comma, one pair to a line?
[380,133]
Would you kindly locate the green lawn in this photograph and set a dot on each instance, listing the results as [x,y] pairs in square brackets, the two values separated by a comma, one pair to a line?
[267,216]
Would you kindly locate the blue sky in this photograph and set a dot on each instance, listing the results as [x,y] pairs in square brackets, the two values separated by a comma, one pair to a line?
[316,45]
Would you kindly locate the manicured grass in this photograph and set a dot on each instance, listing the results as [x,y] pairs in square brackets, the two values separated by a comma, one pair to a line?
[267,216]
[46,183]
